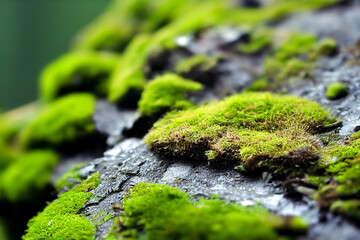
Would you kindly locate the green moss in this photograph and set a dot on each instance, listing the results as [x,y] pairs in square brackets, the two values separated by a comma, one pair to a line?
[259,85]
[77,72]
[129,78]
[298,44]
[167,213]
[70,178]
[166,93]
[66,120]
[293,68]
[260,39]
[326,47]
[336,90]
[3,230]
[253,129]
[59,220]
[27,175]
[350,208]
[196,62]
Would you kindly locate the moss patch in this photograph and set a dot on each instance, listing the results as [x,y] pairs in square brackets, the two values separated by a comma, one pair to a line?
[336,90]
[166,93]
[260,39]
[129,78]
[65,120]
[70,178]
[28,175]
[154,211]
[59,220]
[200,62]
[253,129]
[77,72]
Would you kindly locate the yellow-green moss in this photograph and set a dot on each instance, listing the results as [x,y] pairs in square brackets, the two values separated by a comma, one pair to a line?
[66,120]
[254,129]
[196,62]
[69,179]
[349,208]
[259,85]
[77,72]
[336,90]
[167,213]
[59,220]
[129,78]
[260,39]
[166,93]
[27,175]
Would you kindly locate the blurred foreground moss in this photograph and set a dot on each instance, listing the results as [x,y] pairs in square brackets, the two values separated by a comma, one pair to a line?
[59,220]
[64,121]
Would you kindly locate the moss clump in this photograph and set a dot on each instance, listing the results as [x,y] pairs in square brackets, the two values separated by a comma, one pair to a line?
[349,208]
[196,63]
[336,90]
[254,129]
[64,121]
[259,85]
[166,93]
[77,72]
[167,213]
[296,45]
[260,39]
[70,178]
[29,174]
[59,220]
[293,68]
[338,177]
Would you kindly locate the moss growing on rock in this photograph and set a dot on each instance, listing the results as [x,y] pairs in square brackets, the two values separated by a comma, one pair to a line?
[70,178]
[166,93]
[28,174]
[196,62]
[258,130]
[260,39]
[336,90]
[77,72]
[259,85]
[167,213]
[59,220]
[64,121]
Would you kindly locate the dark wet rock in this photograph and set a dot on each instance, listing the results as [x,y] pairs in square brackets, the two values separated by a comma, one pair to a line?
[340,23]
[111,120]
[250,3]
[130,162]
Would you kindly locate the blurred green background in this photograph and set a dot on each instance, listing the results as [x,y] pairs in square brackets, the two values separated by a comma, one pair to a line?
[33,33]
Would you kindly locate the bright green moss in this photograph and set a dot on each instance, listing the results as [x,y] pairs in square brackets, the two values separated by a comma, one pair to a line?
[27,175]
[259,85]
[260,39]
[59,220]
[66,120]
[326,47]
[77,72]
[69,179]
[197,62]
[296,45]
[336,90]
[293,68]
[166,93]
[350,208]
[129,78]
[253,129]
[108,33]
[167,213]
